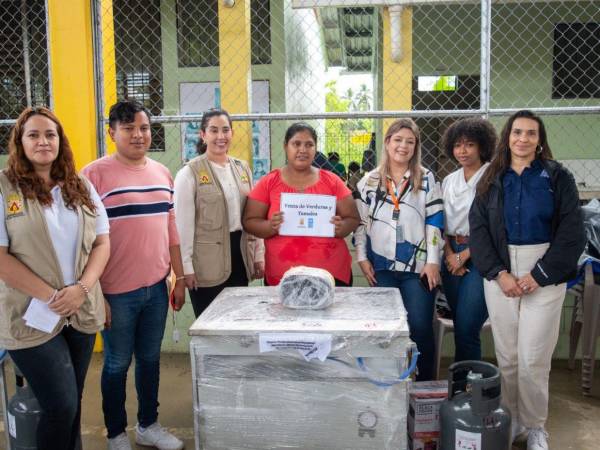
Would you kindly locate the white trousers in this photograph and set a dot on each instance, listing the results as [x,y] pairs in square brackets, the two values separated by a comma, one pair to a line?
[525,333]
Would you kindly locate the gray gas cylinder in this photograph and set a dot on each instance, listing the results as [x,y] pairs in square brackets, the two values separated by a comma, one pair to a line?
[24,413]
[472,418]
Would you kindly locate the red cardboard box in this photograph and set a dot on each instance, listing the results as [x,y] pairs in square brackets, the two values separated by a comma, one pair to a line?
[425,399]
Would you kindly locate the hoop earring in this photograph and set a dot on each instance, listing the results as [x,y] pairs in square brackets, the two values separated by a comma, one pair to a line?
[540,150]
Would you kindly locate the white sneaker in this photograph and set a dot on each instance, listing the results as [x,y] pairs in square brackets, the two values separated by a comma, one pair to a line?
[157,436]
[120,442]
[537,439]
[516,430]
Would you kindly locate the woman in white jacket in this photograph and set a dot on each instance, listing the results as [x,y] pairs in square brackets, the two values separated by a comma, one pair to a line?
[399,239]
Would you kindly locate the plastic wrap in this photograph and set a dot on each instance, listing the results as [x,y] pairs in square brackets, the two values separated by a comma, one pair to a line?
[591,222]
[307,288]
[248,396]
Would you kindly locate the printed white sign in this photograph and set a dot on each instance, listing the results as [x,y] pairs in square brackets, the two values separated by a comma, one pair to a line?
[310,345]
[307,215]
[465,440]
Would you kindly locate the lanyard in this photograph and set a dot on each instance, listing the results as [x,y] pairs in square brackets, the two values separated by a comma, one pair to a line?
[396,200]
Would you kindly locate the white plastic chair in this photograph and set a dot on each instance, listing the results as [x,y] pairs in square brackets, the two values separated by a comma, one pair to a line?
[441,326]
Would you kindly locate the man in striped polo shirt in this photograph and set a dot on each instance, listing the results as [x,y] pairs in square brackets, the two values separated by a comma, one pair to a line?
[137,193]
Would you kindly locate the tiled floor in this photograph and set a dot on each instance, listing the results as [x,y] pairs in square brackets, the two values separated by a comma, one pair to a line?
[574,422]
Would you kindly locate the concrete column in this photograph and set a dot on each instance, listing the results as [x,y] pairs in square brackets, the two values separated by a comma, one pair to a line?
[72,74]
[235,71]
[397,75]
[109,63]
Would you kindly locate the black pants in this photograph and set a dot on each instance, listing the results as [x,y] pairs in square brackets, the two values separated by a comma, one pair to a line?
[203,296]
[56,372]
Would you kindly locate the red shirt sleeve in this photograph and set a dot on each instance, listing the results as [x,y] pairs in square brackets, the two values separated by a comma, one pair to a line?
[261,192]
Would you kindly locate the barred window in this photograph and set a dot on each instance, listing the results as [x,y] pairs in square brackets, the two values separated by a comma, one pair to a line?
[23,60]
[260,31]
[139,73]
[198,32]
[576,64]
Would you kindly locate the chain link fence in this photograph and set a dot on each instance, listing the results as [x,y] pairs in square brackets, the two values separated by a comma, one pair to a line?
[347,67]
[24,79]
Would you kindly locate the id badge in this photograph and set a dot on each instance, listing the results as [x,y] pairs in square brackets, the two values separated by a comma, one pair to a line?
[395,214]
[399,233]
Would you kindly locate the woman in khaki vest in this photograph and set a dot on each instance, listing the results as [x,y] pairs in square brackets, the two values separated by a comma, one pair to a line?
[210,195]
[53,247]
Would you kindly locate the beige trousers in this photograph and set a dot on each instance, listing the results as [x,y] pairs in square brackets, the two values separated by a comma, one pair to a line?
[525,334]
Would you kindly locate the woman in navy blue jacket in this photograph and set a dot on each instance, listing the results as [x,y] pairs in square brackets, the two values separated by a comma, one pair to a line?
[526,237]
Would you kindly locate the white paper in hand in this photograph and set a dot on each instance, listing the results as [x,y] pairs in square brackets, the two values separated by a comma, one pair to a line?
[307,215]
[40,317]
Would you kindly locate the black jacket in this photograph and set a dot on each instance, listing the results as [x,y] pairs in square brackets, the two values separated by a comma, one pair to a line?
[488,242]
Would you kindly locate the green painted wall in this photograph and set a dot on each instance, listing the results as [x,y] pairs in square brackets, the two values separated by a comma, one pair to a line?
[446,41]
[173,75]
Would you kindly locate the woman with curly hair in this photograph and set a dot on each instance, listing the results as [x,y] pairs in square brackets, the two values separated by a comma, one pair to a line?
[470,142]
[53,248]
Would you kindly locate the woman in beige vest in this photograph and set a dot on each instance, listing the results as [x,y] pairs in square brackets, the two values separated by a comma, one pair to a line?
[210,195]
[53,247]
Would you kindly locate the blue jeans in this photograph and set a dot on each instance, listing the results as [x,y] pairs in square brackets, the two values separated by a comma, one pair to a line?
[469,312]
[56,371]
[419,305]
[137,328]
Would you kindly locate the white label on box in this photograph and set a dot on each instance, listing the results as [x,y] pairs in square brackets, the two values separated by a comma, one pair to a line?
[465,440]
[310,345]
[12,426]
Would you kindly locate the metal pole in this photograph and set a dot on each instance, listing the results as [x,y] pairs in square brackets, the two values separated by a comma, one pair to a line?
[47,22]
[382,114]
[96,8]
[26,61]
[486,34]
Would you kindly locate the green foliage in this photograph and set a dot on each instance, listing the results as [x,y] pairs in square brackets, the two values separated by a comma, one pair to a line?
[347,137]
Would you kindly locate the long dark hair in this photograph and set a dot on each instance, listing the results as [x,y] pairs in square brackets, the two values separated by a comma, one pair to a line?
[501,161]
[21,173]
[213,112]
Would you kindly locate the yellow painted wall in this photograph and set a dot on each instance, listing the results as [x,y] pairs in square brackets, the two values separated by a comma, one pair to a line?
[71,66]
[397,76]
[72,69]
[109,63]
[235,71]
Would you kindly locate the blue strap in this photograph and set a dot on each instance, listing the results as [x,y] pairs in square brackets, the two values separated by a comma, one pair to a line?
[403,376]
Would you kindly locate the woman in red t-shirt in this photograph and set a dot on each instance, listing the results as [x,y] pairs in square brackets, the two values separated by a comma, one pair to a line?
[263,218]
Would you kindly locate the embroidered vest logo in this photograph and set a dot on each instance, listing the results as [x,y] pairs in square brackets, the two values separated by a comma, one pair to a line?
[204,177]
[14,205]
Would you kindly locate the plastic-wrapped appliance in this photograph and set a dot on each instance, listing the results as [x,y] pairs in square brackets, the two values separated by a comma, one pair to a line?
[266,376]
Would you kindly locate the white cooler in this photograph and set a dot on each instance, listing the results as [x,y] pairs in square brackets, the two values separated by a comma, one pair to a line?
[356,398]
